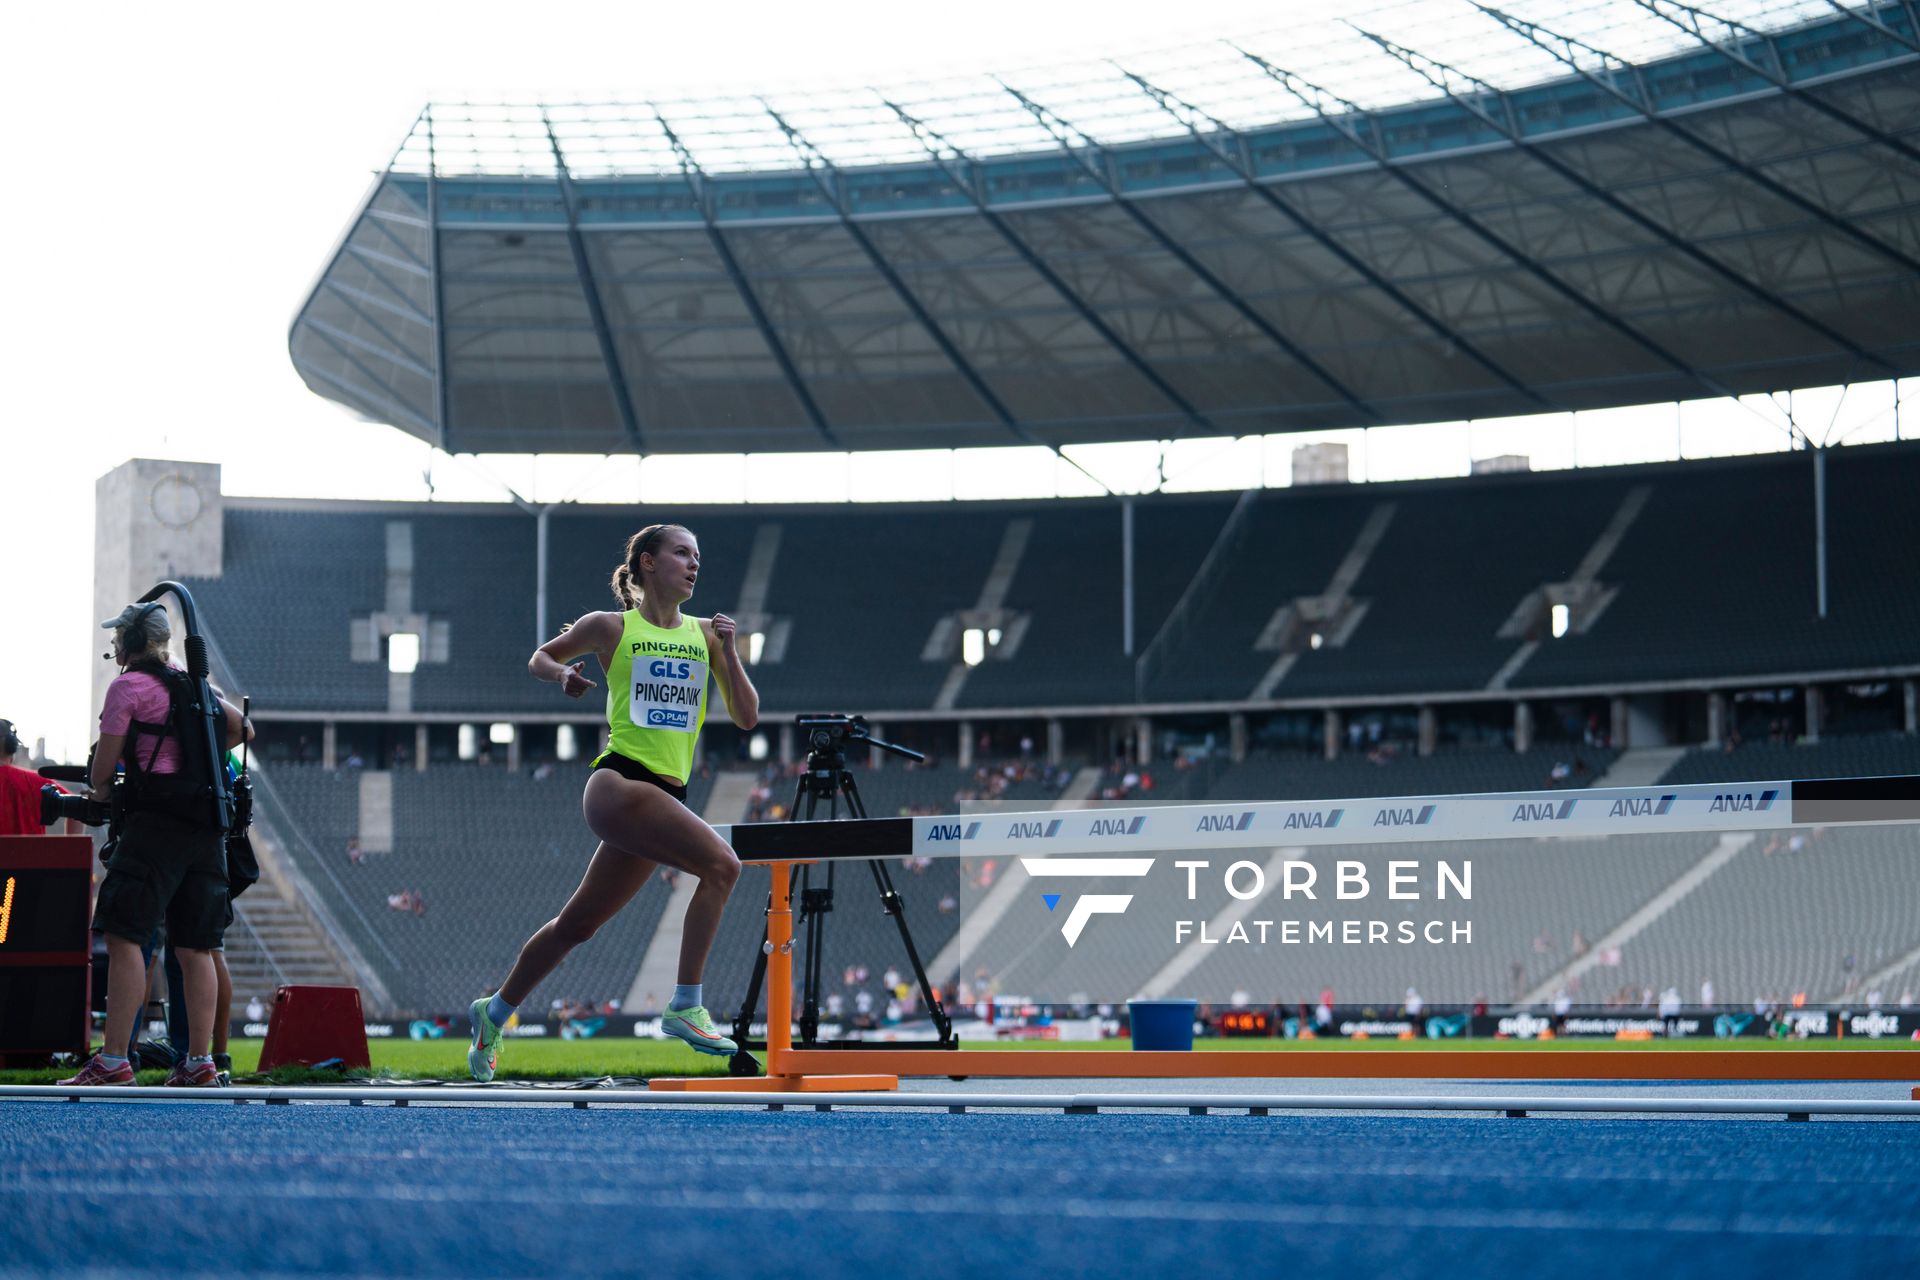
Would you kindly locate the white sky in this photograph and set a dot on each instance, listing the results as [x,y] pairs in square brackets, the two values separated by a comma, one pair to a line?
[177,175]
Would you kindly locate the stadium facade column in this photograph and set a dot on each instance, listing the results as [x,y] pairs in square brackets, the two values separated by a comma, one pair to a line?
[1522,726]
[1617,730]
[153,519]
[875,756]
[1057,731]
[786,743]
[1237,736]
[1330,733]
[1816,711]
[420,748]
[513,750]
[1911,692]
[1429,730]
[1143,740]
[329,744]
[965,753]
[1716,718]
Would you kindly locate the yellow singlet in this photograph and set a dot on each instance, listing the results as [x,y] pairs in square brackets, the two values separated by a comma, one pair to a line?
[657,694]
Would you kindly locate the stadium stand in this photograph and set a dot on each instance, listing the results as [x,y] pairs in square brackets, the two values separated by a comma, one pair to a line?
[466,570]
[1449,771]
[1068,586]
[291,581]
[1865,756]
[1446,576]
[1805,912]
[1717,576]
[1286,549]
[1713,579]
[865,591]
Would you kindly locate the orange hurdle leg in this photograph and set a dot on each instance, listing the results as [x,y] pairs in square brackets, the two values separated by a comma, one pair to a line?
[779,1078]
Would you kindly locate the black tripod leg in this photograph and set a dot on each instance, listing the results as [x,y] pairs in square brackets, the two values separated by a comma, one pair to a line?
[891,903]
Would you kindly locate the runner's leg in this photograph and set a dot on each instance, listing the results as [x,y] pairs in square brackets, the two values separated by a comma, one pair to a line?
[636,814]
[612,878]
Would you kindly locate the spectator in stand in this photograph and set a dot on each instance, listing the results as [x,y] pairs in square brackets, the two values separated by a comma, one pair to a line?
[1706,995]
[256,1012]
[1562,1003]
[355,855]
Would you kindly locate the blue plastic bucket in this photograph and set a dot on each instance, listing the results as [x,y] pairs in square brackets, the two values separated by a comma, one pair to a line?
[1162,1024]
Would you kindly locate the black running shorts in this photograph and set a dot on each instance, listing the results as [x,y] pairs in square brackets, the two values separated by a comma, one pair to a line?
[634,771]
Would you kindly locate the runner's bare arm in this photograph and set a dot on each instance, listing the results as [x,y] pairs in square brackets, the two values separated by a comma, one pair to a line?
[594,633]
[736,690]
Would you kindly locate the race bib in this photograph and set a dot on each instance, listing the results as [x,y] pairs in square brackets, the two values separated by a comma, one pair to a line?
[667,693]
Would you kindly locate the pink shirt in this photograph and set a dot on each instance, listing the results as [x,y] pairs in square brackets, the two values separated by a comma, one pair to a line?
[135,695]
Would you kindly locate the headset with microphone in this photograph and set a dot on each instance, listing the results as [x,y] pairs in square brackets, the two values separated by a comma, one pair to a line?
[9,741]
[133,633]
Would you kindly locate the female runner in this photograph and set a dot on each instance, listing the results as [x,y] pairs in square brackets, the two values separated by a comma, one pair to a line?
[656,661]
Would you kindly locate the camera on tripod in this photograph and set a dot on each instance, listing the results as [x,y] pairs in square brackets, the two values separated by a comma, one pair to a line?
[831,732]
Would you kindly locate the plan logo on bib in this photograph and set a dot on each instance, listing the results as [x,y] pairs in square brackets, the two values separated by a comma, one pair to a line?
[667,693]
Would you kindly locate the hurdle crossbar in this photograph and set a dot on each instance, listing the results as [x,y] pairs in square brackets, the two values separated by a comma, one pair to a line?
[1712,807]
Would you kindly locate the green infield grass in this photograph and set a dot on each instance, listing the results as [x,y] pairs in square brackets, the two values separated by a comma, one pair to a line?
[548,1060]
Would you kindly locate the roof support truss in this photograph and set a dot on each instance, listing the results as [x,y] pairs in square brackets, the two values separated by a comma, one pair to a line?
[1225,143]
[697,183]
[1095,162]
[1566,50]
[958,168]
[1362,128]
[1494,108]
[442,398]
[827,178]
[1734,45]
[1868,14]
[590,288]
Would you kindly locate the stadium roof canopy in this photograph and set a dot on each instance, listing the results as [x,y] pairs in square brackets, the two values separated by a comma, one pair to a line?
[1424,212]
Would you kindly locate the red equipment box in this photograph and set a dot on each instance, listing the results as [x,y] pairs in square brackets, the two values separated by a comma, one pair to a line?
[315,1024]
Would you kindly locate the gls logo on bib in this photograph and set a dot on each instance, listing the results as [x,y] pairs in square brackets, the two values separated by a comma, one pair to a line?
[667,693]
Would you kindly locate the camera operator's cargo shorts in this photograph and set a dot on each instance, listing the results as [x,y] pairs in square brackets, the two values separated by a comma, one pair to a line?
[166,869]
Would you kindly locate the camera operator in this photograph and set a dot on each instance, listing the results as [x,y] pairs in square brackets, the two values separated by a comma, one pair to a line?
[19,789]
[169,862]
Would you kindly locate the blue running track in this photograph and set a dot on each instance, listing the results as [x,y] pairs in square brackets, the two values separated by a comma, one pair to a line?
[306,1190]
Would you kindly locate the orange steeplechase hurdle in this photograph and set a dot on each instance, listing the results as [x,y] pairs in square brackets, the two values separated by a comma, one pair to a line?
[825,1070]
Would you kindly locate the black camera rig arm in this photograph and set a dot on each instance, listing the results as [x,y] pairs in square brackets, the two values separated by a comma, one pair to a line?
[209,721]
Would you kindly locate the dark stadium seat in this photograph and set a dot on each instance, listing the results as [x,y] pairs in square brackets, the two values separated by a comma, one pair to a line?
[1717,576]
[280,612]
